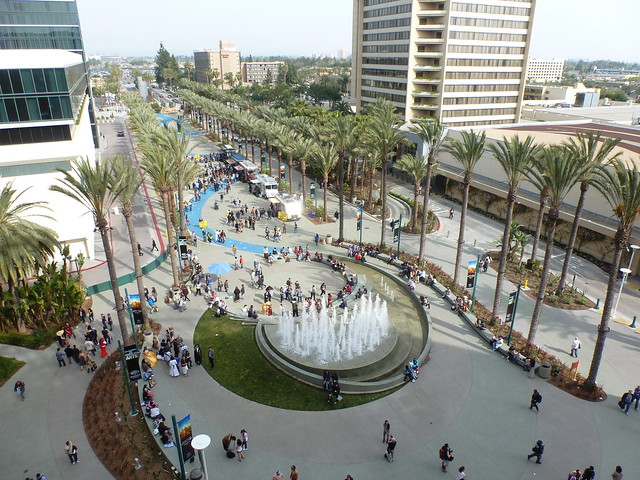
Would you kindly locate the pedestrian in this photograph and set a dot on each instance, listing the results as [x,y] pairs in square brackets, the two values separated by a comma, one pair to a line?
[197,354]
[19,388]
[462,475]
[625,401]
[575,346]
[294,473]
[451,213]
[575,475]
[391,446]
[154,246]
[210,354]
[386,428]
[72,452]
[40,476]
[636,396]
[316,239]
[103,348]
[110,322]
[295,227]
[589,473]
[537,451]
[536,398]
[278,475]
[239,450]
[140,250]
[245,439]
[241,262]
[60,358]
[617,473]
[446,456]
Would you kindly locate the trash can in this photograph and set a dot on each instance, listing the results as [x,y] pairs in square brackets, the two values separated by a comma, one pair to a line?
[328,240]
[544,370]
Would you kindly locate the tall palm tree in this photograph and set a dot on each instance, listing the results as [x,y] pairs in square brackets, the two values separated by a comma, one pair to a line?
[535,177]
[620,185]
[125,175]
[89,185]
[467,152]
[594,155]
[432,133]
[561,171]
[515,156]
[324,158]
[159,167]
[384,135]
[416,167]
[301,150]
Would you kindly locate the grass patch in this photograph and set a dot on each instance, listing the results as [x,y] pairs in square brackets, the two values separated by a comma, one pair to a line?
[242,369]
[8,366]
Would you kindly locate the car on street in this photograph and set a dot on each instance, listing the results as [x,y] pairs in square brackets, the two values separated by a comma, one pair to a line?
[120,133]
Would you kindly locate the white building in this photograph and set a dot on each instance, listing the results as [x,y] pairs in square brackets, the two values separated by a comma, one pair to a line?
[461,61]
[260,72]
[219,62]
[541,70]
[45,125]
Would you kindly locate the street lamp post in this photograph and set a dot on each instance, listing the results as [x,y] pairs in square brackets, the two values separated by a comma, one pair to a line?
[199,443]
[625,272]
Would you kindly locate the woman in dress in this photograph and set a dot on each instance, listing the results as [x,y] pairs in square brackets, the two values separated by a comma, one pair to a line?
[184,366]
[103,348]
[173,368]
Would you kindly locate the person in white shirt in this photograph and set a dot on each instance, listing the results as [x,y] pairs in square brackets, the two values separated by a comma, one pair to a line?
[575,346]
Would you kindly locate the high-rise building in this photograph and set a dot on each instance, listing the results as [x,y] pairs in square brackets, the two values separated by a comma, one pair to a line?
[541,70]
[462,61]
[211,64]
[260,72]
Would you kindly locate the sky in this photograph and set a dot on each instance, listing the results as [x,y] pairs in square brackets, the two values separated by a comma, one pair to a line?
[562,28]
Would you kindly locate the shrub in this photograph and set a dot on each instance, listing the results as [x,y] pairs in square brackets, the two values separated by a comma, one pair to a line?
[37,339]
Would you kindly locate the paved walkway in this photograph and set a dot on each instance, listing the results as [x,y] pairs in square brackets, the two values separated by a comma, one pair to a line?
[466,394]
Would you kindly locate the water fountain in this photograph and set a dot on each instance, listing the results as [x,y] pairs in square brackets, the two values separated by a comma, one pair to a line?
[327,335]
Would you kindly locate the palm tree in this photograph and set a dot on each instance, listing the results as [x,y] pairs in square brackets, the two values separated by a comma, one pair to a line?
[90,185]
[230,79]
[159,166]
[301,150]
[324,158]
[560,171]
[515,157]
[620,185]
[384,135]
[416,167]
[467,152]
[594,155]
[125,175]
[432,133]
[535,177]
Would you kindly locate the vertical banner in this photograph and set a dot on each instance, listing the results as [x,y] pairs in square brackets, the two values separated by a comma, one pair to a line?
[395,226]
[182,242]
[131,356]
[358,219]
[471,273]
[186,435]
[136,308]
[510,306]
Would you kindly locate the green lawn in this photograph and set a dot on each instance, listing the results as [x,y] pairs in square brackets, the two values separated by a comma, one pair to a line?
[8,366]
[241,368]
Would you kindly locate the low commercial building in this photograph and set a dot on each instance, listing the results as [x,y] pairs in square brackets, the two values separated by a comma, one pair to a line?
[543,70]
[260,72]
[577,96]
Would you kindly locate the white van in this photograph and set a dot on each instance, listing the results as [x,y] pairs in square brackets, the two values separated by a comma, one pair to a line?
[267,187]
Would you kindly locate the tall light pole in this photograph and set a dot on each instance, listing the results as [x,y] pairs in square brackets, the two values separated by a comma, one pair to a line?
[625,272]
[199,443]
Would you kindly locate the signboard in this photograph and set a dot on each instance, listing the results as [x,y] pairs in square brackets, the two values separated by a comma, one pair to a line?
[358,219]
[136,308]
[312,191]
[395,226]
[182,243]
[131,356]
[471,273]
[510,306]
[185,434]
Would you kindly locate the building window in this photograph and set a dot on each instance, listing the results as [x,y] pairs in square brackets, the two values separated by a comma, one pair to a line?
[18,136]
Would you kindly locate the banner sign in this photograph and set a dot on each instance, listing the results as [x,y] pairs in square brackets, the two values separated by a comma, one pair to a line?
[136,308]
[358,219]
[510,306]
[185,434]
[471,273]
[131,356]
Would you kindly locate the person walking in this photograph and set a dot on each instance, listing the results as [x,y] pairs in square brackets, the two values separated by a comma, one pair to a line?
[575,346]
[294,473]
[154,246]
[446,456]
[462,475]
[386,428]
[210,355]
[536,398]
[19,388]
[40,476]
[278,475]
[391,446]
[636,396]
[140,253]
[60,358]
[239,450]
[316,239]
[625,401]
[197,354]
[451,213]
[72,452]
[589,473]
[245,439]
[537,451]
[575,475]
[617,473]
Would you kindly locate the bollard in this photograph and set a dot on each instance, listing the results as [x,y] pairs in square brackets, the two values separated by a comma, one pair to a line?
[474,242]
[597,307]
[526,284]
[635,319]
[447,233]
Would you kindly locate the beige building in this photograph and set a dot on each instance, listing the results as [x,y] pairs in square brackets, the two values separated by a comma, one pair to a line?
[259,72]
[226,59]
[462,61]
[541,70]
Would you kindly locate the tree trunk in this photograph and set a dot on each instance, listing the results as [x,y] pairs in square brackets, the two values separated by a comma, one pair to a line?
[425,208]
[172,239]
[127,212]
[414,213]
[584,186]
[303,172]
[370,194]
[270,151]
[113,277]
[290,167]
[544,279]
[621,239]
[352,180]
[463,214]
[325,178]
[383,197]
[536,237]
[183,228]
[502,266]
[340,191]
